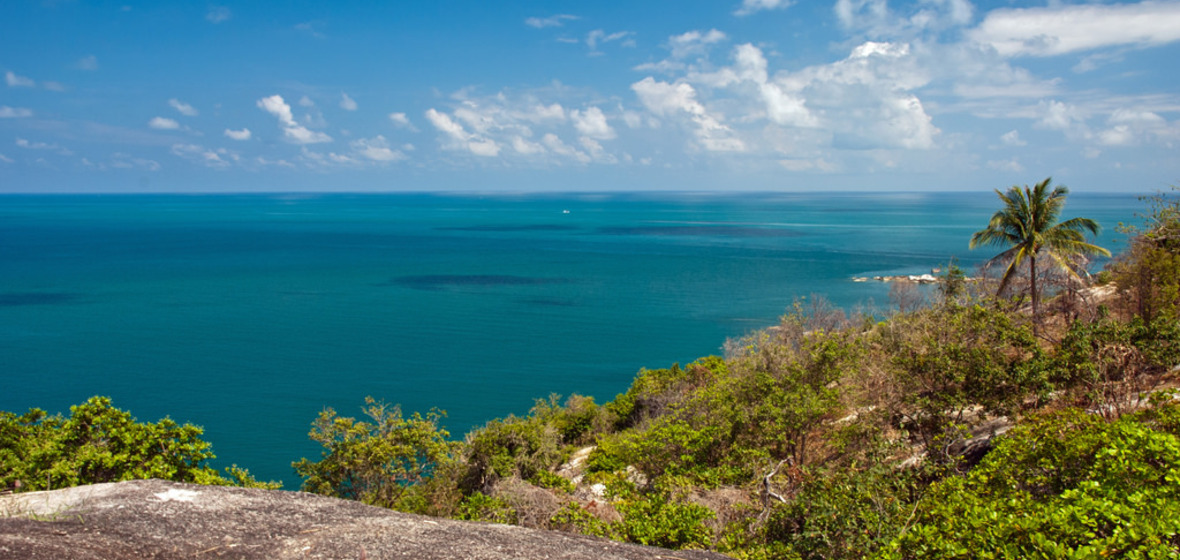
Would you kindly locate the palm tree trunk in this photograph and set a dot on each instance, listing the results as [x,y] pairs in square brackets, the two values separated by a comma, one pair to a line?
[1032,277]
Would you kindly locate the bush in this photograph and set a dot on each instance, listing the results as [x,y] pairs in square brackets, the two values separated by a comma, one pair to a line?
[378,462]
[1065,485]
[100,443]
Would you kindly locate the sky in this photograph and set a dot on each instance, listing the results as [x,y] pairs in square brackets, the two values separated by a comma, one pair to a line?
[683,95]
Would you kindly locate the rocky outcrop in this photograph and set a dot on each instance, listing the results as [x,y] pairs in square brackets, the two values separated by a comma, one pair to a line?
[158,519]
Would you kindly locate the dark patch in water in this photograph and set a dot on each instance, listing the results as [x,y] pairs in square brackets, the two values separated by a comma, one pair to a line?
[16,299]
[440,281]
[716,231]
[549,302]
[497,228]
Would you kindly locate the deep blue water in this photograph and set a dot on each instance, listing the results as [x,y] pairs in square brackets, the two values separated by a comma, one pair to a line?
[249,314]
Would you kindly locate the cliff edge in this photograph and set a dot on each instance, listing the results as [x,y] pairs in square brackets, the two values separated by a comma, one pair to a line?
[158,519]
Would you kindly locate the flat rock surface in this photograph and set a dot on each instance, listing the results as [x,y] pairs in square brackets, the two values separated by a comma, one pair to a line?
[158,519]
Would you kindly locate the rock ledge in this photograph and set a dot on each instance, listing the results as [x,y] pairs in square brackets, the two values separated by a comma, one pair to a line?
[158,519]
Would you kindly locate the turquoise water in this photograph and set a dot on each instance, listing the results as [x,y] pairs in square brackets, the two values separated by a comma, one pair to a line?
[250,314]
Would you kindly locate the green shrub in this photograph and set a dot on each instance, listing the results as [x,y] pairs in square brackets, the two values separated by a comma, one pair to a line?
[375,462]
[663,521]
[1065,485]
[481,507]
[100,443]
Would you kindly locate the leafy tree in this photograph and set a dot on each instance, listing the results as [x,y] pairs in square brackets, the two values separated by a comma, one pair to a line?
[100,443]
[1027,225]
[376,462]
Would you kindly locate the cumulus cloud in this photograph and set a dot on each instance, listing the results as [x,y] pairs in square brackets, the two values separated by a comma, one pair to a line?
[1129,127]
[243,134]
[751,6]
[13,80]
[183,108]
[292,131]
[679,99]
[7,112]
[458,136]
[346,102]
[376,149]
[1060,29]
[218,14]
[88,63]
[161,123]
[592,123]
[551,21]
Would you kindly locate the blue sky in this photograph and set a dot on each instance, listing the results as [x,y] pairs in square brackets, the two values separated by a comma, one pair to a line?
[588,96]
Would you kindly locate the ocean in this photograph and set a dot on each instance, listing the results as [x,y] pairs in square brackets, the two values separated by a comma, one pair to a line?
[249,314]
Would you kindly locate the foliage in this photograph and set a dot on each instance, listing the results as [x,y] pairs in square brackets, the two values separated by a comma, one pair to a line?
[375,462]
[847,513]
[663,521]
[1109,361]
[1148,273]
[481,507]
[1027,226]
[947,362]
[1066,485]
[101,443]
[512,447]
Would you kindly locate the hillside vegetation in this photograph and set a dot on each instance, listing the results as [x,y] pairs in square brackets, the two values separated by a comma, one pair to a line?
[968,427]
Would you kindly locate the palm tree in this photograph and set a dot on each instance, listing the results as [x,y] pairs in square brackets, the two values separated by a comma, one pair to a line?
[1027,225]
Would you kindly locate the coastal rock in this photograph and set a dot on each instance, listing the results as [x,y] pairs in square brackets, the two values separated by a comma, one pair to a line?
[158,519]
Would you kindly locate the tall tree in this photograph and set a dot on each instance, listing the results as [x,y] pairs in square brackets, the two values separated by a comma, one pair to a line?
[1027,225]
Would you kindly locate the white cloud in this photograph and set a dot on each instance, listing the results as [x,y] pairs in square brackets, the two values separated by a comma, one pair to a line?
[551,21]
[7,112]
[592,123]
[183,108]
[1128,127]
[674,100]
[306,101]
[376,149]
[1060,29]
[694,42]
[346,102]
[751,6]
[23,143]
[1012,138]
[53,86]
[218,14]
[598,36]
[525,147]
[459,137]
[400,120]
[200,154]
[243,134]
[560,148]
[14,80]
[6,159]
[1056,115]
[161,123]
[88,63]
[292,131]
